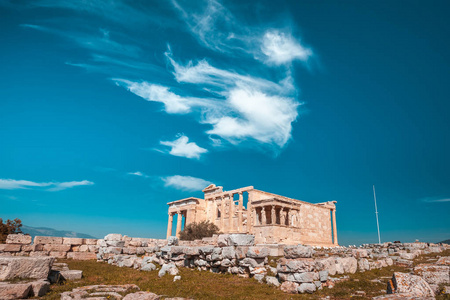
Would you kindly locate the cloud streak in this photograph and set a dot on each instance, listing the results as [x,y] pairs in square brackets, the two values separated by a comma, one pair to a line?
[436,200]
[12,184]
[185,183]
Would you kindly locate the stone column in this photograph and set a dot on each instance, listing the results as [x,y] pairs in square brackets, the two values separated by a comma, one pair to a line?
[273,214]
[249,213]
[169,225]
[222,215]
[263,216]
[241,205]
[282,216]
[231,214]
[288,217]
[179,219]
[334,227]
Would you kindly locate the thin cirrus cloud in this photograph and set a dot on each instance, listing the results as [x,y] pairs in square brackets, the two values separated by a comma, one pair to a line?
[234,105]
[216,28]
[182,147]
[185,183]
[436,200]
[12,184]
[249,107]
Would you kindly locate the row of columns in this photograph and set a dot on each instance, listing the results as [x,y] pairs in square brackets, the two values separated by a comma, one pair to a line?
[227,209]
[283,215]
[179,221]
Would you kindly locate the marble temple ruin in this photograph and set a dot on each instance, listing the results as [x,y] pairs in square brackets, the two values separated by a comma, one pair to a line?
[273,219]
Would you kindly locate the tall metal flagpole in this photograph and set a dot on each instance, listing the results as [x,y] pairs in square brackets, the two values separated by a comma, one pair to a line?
[376,214]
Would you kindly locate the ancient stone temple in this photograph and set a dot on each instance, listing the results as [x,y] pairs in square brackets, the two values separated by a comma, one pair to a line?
[273,219]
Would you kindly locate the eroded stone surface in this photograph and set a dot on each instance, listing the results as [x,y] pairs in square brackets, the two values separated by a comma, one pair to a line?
[10,291]
[25,267]
[406,283]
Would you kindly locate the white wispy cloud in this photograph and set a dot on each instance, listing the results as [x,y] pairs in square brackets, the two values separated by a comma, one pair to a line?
[185,183]
[216,28]
[12,184]
[139,174]
[240,108]
[182,147]
[255,103]
[436,199]
[281,48]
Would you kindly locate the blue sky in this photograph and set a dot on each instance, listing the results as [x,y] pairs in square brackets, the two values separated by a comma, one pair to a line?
[111,109]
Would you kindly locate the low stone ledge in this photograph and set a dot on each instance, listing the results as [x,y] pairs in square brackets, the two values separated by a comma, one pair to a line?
[25,267]
[48,240]
[18,239]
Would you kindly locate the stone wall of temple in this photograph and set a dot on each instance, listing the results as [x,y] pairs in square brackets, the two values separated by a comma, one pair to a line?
[271,218]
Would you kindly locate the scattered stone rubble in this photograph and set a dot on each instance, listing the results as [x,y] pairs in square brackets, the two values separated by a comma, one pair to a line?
[35,273]
[294,269]
[112,292]
[301,269]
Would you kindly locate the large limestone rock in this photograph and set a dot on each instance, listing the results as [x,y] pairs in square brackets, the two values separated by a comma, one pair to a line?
[289,287]
[48,240]
[350,264]
[25,267]
[444,260]
[10,291]
[258,252]
[238,239]
[327,264]
[113,237]
[307,288]
[141,296]
[168,268]
[73,241]
[40,287]
[18,239]
[82,255]
[410,284]
[298,251]
[172,241]
[432,273]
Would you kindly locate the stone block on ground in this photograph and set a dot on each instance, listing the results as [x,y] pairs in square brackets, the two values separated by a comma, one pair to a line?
[298,251]
[222,240]
[307,288]
[444,260]
[172,241]
[71,274]
[113,237]
[258,252]
[73,241]
[48,240]
[39,288]
[168,268]
[406,283]
[433,274]
[271,280]
[25,267]
[141,296]
[11,291]
[239,239]
[289,287]
[10,247]
[57,247]
[23,239]
[82,255]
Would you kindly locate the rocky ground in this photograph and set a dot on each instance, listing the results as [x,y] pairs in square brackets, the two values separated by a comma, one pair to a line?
[229,267]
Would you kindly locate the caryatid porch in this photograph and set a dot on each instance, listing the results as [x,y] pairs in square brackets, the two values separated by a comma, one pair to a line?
[271,218]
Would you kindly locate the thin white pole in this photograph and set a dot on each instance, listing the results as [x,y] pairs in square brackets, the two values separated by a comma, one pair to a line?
[376,214]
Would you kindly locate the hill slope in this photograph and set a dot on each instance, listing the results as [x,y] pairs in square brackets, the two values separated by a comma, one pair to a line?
[44,231]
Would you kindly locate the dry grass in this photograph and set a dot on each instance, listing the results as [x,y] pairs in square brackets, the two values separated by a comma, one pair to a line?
[206,285]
